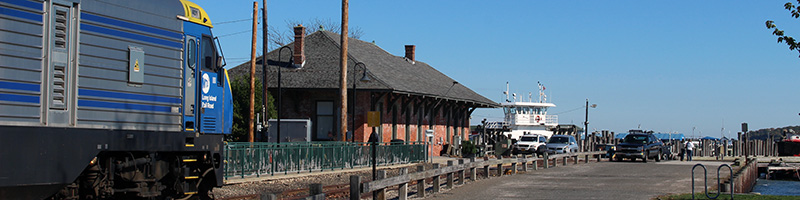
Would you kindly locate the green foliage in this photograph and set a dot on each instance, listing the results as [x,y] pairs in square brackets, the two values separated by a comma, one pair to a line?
[791,42]
[776,133]
[240,87]
[468,148]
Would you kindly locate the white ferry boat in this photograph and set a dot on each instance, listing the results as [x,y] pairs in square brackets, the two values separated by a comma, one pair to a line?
[526,117]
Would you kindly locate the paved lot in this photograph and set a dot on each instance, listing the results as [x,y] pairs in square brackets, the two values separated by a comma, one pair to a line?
[604,180]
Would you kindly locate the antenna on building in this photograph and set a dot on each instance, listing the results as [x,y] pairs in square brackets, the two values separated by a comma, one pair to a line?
[506,92]
[530,96]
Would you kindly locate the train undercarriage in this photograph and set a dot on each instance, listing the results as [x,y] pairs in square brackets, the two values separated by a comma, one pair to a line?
[151,175]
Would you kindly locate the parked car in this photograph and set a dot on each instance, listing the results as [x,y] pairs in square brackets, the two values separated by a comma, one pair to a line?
[561,144]
[639,145]
[532,143]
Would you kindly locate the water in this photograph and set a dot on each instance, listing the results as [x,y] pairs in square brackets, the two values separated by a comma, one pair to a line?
[777,187]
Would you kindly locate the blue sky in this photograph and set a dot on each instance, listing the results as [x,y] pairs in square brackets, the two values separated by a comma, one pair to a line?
[666,66]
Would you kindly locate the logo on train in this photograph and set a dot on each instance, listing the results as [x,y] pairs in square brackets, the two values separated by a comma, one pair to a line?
[206,83]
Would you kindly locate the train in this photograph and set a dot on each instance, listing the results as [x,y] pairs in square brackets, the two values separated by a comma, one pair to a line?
[111,99]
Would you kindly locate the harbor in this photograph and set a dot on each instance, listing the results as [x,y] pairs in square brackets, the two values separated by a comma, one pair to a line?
[398,100]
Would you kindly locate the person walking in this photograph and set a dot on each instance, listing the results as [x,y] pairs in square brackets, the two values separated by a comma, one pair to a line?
[689,148]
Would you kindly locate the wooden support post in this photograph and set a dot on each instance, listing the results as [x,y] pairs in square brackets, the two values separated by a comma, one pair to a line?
[565,160]
[380,194]
[525,165]
[315,191]
[737,145]
[598,158]
[421,183]
[402,192]
[586,158]
[575,162]
[460,172]
[486,170]
[436,178]
[355,187]
[546,159]
[450,175]
[500,169]
[269,197]
[535,165]
[514,166]
[472,172]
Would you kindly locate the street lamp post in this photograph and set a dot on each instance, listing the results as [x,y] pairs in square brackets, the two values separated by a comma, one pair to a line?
[364,79]
[586,123]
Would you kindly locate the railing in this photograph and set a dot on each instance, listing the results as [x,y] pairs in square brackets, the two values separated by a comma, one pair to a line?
[453,171]
[244,159]
[705,181]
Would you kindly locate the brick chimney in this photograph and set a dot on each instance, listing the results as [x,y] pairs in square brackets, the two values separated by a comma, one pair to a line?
[299,55]
[410,52]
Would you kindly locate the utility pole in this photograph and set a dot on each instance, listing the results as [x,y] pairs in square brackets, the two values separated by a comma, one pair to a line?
[343,75]
[253,74]
[264,45]
[586,127]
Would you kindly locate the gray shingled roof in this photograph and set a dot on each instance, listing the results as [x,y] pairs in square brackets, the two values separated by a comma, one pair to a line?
[388,72]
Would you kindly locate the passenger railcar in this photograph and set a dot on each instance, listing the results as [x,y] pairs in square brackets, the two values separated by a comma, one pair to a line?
[109,99]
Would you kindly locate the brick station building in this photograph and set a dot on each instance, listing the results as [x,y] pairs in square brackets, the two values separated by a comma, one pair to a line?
[411,95]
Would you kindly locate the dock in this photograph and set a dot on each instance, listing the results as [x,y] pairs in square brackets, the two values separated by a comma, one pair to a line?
[783,172]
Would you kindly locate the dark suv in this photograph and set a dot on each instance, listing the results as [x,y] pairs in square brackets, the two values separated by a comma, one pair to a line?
[638,145]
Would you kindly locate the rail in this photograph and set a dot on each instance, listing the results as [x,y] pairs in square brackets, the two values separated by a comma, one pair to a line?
[381,183]
[705,181]
[244,159]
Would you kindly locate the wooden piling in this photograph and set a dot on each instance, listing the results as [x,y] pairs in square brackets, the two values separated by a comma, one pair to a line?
[355,187]
[436,183]
[402,192]
[380,194]
[420,183]
[460,172]
[472,173]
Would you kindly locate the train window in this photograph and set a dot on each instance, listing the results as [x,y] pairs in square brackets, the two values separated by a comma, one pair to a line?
[209,54]
[190,53]
[195,12]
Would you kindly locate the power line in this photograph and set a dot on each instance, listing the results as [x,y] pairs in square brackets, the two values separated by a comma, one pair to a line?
[230,34]
[570,110]
[234,21]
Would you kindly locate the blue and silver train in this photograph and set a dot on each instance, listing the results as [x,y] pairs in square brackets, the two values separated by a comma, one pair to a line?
[110,99]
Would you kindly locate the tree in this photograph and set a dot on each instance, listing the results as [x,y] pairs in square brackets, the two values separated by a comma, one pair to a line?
[279,38]
[791,42]
[240,87]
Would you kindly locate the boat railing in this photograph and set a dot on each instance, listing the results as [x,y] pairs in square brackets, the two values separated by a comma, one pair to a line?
[496,125]
[549,120]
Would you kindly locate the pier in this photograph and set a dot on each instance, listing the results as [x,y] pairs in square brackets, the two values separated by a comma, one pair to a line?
[604,180]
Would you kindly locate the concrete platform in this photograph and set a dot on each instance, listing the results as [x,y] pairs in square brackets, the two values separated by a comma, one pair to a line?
[604,180]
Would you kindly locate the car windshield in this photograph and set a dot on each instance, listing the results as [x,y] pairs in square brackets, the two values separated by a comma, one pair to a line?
[558,140]
[528,139]
[635,139]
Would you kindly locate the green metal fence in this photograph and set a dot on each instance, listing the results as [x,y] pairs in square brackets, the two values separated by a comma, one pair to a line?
[244,159]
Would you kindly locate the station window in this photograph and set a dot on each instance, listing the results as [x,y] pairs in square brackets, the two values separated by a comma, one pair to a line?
[325,121]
